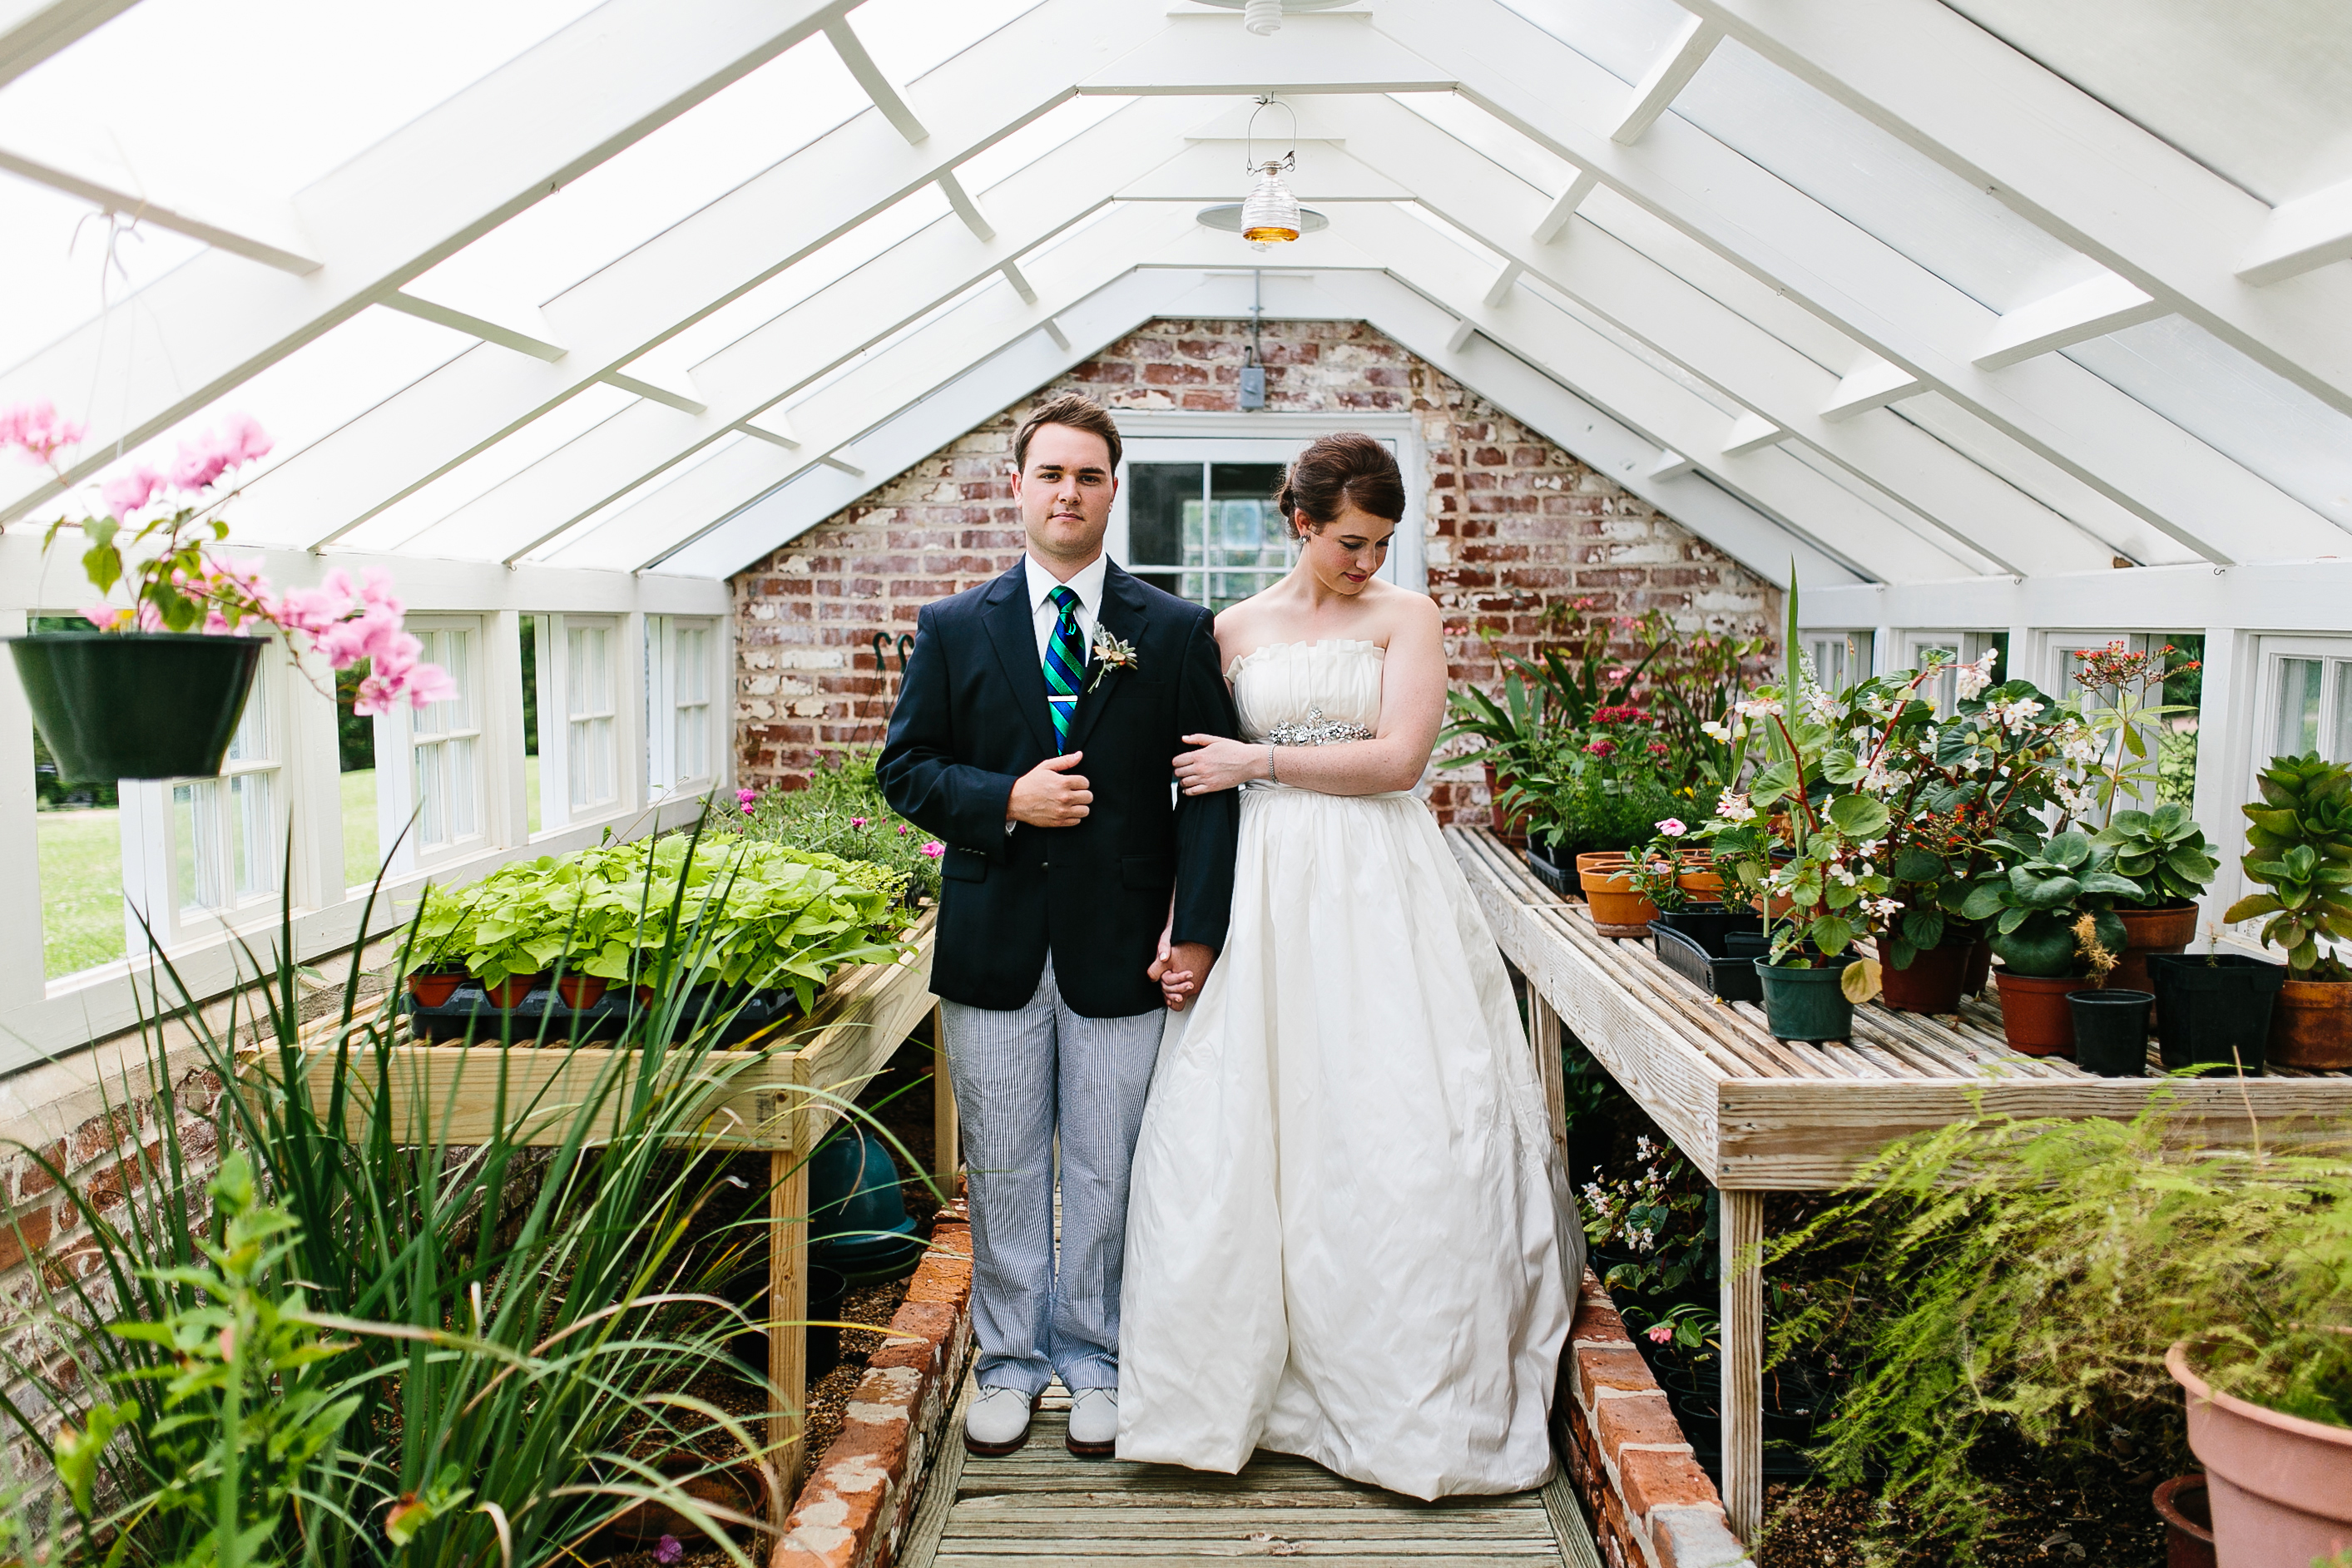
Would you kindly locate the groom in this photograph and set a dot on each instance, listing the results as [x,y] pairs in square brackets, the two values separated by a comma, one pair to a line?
[1035,735]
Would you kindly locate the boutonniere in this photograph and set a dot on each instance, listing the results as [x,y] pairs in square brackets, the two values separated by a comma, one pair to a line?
[1110,653]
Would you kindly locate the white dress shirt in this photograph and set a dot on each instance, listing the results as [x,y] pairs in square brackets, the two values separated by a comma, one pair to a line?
[1087,585]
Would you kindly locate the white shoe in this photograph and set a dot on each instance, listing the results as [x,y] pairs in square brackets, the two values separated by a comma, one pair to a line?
[1093,1423]
[998,1421]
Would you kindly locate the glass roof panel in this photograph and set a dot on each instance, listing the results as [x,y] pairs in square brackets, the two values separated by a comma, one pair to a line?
[54,271]
[2262,105]
[285,90]
[2234,405]
[1623,37]
[1875,182]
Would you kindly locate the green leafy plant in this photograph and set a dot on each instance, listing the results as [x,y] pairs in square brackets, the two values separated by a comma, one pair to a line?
[1655,871]
[2027,1278]
[2299,845]
[2119,685]
[841,811]
[2163,851]
[1659,1215]
[1695,1330]
[2037,900]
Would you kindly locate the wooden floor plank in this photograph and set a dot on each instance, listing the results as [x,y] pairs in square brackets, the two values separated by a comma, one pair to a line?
[1352,1503]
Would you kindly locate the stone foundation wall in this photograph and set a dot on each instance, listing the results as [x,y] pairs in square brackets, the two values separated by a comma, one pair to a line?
[1513,523]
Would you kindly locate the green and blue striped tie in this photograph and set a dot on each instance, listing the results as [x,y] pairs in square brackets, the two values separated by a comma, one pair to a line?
[1065,660]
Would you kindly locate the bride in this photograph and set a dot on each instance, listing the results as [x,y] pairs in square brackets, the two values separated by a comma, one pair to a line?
[1349,1235]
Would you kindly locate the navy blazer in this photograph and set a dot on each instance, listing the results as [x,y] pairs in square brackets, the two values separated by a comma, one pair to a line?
[971,718]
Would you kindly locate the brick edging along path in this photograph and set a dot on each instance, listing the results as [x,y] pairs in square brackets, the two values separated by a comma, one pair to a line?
[854,1508]
[1649,1503]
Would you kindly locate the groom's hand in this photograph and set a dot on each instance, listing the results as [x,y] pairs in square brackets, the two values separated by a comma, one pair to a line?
[1182,970]
[1049,795]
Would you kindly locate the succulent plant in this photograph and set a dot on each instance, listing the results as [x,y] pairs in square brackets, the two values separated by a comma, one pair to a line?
[2299,845]
[2164,851]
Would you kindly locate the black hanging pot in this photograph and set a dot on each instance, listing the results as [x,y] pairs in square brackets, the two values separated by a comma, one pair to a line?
[136,704]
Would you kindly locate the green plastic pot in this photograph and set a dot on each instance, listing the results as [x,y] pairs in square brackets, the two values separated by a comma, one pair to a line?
[1807,1004]
[2213,1009]
[136,704]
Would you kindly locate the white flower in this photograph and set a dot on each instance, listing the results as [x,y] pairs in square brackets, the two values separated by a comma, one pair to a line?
[1718,733]
[1975,677]
[1842,875]
[2014,715]
[1642,1145]
[1734,807]
[1758,707]
[1823,706]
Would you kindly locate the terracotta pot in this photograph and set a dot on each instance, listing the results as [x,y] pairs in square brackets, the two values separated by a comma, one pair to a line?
[1932,983]
[2187,1514]
[1613,899]
[2280,1486]
[2034,1014]
[1512,830]
[582,992]
[434,988]
[1702,884]
[1978,975]
[737,1487]
[510,991]
[2150,931]
[1778,907]
[2311,1025]
[1595,860]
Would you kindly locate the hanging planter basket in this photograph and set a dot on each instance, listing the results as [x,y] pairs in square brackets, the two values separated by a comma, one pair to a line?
[138,704]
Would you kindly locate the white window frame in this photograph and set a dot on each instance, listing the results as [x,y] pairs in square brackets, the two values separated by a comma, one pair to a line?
[398,741]
[669,701]
[626,670]
[154,885]
[1848,648]
[2334,655]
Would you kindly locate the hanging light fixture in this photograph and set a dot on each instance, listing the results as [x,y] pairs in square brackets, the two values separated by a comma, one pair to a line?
[1270,212]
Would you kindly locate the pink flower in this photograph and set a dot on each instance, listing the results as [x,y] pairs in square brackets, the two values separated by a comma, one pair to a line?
[1604,746]
[1660,1334]
[126,493]
[103,616]
[38,429]
[745,797]
[934,850]
[1672,828]
[857,821]
[668,1550]
[212,453]
[902,829]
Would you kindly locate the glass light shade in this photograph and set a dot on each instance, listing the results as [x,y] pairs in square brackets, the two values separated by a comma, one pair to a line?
[1271,213]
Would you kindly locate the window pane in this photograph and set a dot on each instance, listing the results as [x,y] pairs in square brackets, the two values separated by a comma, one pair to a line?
[355,758]
[693,664]
[431,829]
[2298,720]
[465,787]
[196,846]
[253,836]
[2342,748]
[1156,496]
[1944,692]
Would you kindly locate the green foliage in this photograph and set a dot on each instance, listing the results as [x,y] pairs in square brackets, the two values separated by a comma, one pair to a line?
[1578,799]
[2176,766]
[2037,897]
[842,812]
[2025,1279]
[2299,845]
[1659,1216]
[2163,851]
[355,736]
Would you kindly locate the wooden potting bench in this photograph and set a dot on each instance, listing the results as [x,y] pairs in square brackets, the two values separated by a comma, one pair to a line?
[782,1101]
[1756,1115]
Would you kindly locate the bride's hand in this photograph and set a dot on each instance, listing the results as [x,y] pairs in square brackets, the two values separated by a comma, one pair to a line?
[1219,764]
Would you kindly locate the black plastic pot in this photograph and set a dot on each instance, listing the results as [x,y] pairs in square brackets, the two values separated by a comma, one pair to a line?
[1561,880]
[1703,963]
[1712,926]
[2213,1009]
[2111,1032]
[1807,1004]
[137,704]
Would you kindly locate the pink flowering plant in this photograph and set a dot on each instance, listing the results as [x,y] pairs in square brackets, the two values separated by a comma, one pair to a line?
[840,810]
[153,545]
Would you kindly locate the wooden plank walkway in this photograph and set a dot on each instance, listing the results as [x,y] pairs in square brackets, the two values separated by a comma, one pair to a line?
[1046,1508]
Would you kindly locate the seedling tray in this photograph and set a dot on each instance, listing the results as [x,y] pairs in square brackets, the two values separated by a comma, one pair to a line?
[469,1017]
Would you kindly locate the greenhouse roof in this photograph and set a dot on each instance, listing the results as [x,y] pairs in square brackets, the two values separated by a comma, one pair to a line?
[1911,292]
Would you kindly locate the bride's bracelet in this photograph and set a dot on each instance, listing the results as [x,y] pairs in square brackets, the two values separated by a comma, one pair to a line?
[1269,764]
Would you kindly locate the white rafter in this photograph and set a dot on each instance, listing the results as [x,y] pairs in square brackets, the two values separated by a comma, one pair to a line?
[1924,72]
[877,87]
[380,219]
[33,30]
[185,201]
[1654,92]
[2310,231]
[521,329]
[965,207]
[1874,383]
[2090,309]
[1563,207]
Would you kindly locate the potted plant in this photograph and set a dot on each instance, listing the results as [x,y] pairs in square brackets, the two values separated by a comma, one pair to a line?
[2053,929]
[155,689]
[2299,846]
[2164,853]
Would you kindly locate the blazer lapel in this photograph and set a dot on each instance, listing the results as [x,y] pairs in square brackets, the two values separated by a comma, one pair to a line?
[1124,615]
[1013,631]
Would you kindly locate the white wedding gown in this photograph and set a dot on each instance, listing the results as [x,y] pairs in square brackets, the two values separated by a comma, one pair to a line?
[1348,1233]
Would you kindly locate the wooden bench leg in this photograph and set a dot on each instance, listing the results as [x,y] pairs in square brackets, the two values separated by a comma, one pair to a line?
[947,1147]
[788,1275]
[1544,1033]
[1743,1365]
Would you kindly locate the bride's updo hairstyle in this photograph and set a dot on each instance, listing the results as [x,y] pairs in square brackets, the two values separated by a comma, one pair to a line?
[1339,471]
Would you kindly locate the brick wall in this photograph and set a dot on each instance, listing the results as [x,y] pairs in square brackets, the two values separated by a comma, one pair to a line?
[1513,523]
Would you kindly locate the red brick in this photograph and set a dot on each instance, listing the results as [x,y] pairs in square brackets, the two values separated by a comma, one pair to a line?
[1643,1418]
[23,1235]
[1600,1367]
[1662,1480]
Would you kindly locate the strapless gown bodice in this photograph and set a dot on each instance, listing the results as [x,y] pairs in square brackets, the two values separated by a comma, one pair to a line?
[1308,694]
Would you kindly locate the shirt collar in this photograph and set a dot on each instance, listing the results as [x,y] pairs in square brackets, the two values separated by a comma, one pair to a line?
[1087,584]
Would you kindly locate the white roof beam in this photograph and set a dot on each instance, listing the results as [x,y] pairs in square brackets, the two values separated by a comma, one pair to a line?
[1670,74]
[770,425]
[1874,383]
[1020,281]
[669,395]
[448,177]
[1882,299]
[184,201]
[1053,328]
[2090,309]
[1555,220]
[877,87]
[1458,339]
[33,30]
[1751,432]
[1505,281]
[1314,54]
[965,207]
[2310,231]
[1923,71]
[525,334]
[1669,463]
[843,459]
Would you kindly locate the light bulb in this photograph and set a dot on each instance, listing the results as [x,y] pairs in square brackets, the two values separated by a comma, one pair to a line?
[1263,16]
[1270,213]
